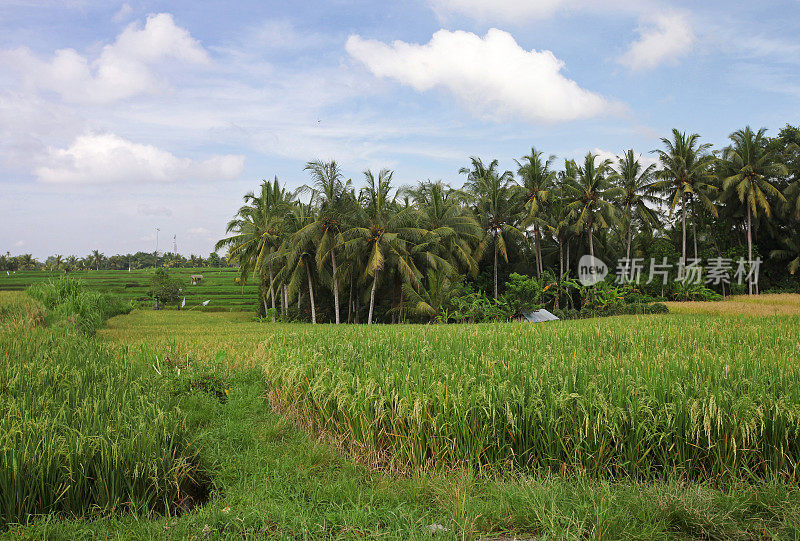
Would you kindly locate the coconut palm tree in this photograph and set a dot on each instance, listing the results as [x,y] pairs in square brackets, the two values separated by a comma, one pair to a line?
[330,194]
[297,255]
[637,183]
[496,208]
[537,182]
[750,164]
[96,258]
[384,232]
[791,251]
[593,194]
[686,175]
[431,301]
[453,230]
[258,231]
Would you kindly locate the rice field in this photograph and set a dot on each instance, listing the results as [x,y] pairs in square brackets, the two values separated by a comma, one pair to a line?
[785,304]
[673,396]
[670,426]
[218,286]
[84,430]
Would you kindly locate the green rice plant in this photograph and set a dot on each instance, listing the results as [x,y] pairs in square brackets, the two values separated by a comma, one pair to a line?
[70,303]
[86,430]
[19,311]
[638,397]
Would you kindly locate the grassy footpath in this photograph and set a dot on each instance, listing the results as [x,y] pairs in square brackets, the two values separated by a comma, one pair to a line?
[218,286]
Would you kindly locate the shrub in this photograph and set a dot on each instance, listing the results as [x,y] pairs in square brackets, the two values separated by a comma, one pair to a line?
[70,304]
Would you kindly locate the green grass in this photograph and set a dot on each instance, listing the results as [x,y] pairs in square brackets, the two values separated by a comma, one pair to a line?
[69,304]
[218,286]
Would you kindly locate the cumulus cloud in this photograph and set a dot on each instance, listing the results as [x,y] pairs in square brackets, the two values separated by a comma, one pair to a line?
[492,76]
[517,11]
[109,159]
[662,38]
[122,70]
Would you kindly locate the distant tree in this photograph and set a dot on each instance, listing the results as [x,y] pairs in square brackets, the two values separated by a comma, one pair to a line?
[751,164]
[537,183]
[593,194]
[496,208]
[163,288]
[637,183]
[686,174]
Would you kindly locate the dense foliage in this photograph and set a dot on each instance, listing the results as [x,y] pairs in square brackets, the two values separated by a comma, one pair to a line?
[70,304]
[423,252]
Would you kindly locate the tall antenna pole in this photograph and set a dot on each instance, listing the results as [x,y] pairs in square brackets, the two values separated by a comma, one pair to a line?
[156,254]
[174,244]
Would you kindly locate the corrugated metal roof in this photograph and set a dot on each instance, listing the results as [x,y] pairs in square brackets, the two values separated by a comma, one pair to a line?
[538,316]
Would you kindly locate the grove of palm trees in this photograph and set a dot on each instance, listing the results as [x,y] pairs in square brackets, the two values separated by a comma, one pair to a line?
[369,250]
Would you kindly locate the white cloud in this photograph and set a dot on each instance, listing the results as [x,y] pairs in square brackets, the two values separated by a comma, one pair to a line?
[108,159]
[154,210]
[663,38]
[123,13]
[123,68]
[198,232]
[492,76]
[519,11]
[646,161]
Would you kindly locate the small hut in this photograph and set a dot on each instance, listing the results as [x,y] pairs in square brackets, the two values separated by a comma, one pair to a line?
[196,279]
[537,316]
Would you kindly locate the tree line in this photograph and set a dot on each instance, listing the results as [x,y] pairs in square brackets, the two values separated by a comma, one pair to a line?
[331,252]
[99,261]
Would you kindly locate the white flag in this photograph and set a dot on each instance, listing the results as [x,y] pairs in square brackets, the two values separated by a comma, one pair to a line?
[205,303]
[183,302]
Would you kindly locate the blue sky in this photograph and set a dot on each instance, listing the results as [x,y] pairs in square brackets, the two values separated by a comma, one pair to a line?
[120,117]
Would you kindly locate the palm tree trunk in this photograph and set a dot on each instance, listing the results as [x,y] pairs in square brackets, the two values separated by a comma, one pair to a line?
[538,253]
[749,248]
[694,230]
[335,287]
[630,234]
[372,297]
[560,259]
[311,295]
[495,267]
[683,212]
[591,241]
[272,291]
[350,300]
